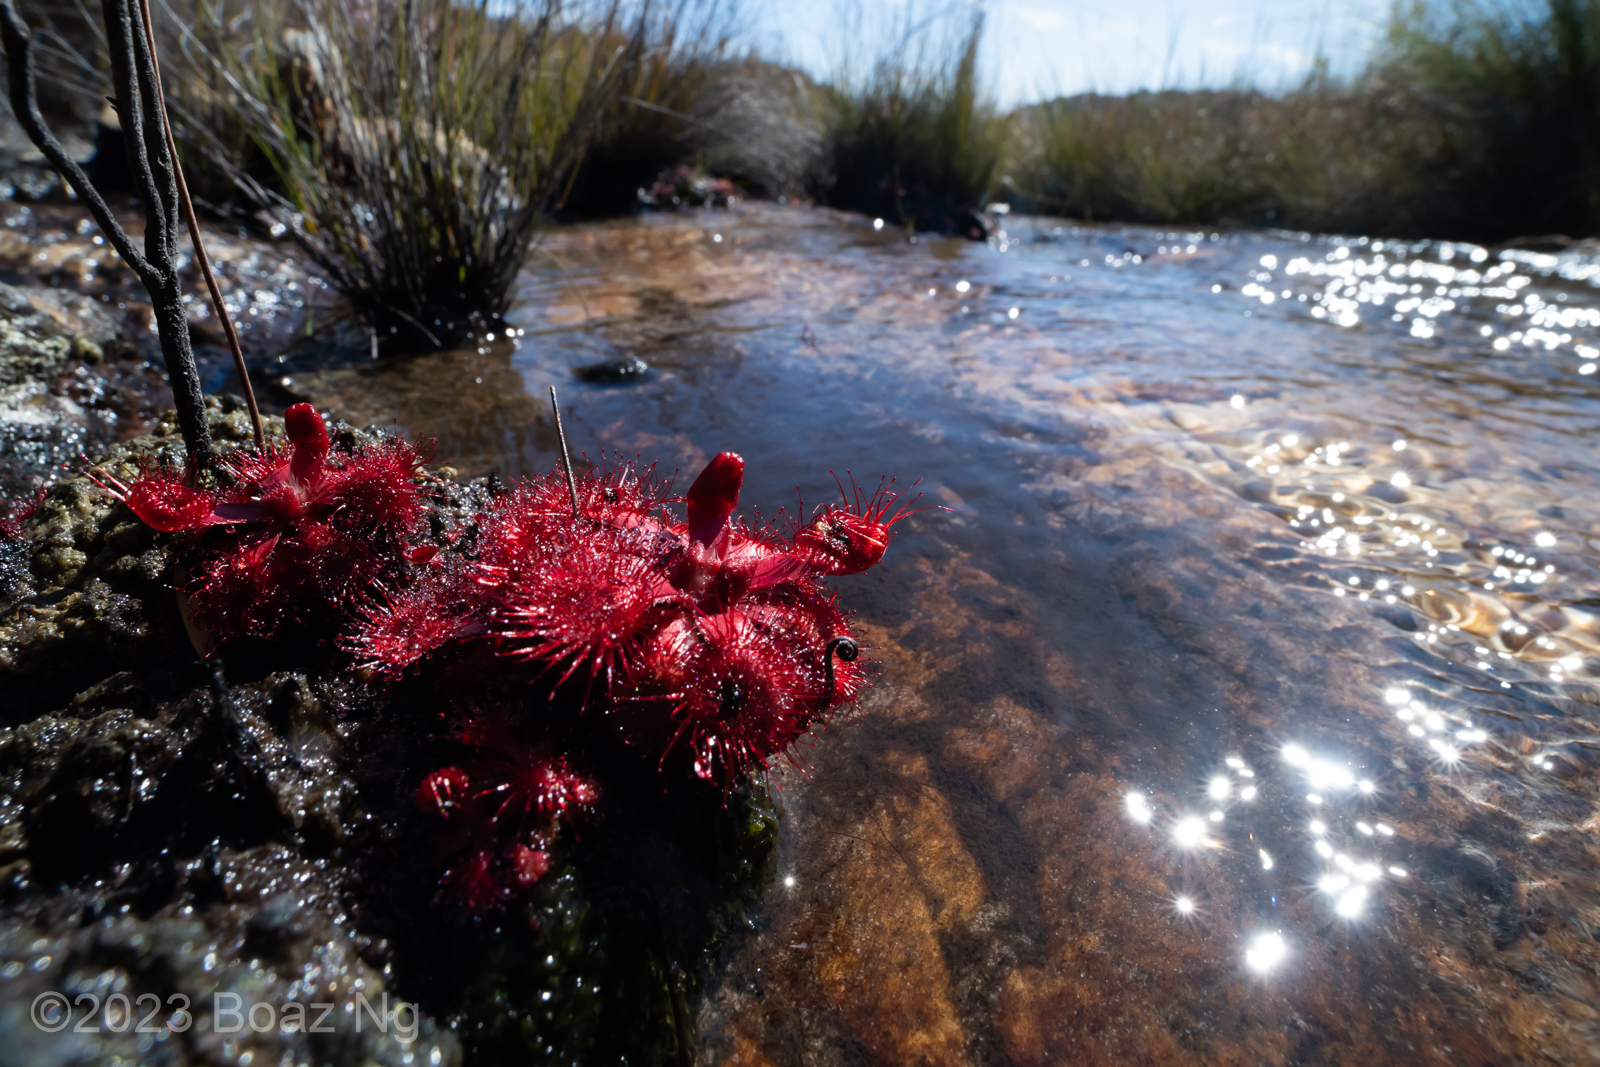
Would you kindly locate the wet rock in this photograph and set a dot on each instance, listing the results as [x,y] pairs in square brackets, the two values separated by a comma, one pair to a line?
[255,959]
[1389,494]
[16,580]
[59,395]
[46,640]
[124,786]
[613,371]
[96,590]
[174,828]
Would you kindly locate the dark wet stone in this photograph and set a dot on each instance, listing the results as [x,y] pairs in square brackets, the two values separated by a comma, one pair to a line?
[248,822]
[1259,492]
[1398,617]
[66,383]
[257,924]
[613,371]
[16,580]
[974,225]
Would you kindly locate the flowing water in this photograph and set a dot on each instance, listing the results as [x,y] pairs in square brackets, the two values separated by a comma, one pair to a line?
[1241,706]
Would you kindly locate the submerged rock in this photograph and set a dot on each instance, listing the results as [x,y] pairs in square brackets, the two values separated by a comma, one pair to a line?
[613,371]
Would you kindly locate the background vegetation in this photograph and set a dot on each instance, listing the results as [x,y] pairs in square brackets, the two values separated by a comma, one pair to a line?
[1472,121]
[416,148]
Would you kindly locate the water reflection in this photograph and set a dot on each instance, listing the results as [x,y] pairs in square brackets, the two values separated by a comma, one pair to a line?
[1266,952]
[1249,679]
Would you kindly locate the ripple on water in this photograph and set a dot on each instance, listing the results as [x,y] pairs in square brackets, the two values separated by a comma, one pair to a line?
[1244,706]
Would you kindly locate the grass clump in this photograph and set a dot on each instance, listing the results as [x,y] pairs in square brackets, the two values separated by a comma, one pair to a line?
[697,98]
[918,141]
[412,149]
[646,123]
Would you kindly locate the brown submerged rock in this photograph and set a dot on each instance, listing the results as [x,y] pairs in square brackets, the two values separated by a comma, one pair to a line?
[977,894]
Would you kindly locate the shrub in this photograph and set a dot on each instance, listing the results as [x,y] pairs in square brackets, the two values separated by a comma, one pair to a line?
[1325,157]
[644,125]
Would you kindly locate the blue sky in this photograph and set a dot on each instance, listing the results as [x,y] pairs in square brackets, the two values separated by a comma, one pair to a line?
[1038,48]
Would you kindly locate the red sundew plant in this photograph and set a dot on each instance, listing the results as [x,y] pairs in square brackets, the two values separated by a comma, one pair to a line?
[704,635]
[297,535]
[707,632]
[499,814]
[13,513]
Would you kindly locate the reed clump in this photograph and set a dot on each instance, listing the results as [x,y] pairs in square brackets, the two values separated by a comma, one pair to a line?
[918,141]
[643,125]
[760,124]
[414,149]
[1518,87]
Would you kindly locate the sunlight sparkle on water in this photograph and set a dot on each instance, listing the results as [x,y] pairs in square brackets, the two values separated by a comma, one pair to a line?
[1266,951]
[1139,808]
[1189,831]
[1352,902]
[1321,774]
[1218,788]
[1185,905]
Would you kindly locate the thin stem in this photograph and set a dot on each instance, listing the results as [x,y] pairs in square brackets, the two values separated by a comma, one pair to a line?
[566,456]
[199,246]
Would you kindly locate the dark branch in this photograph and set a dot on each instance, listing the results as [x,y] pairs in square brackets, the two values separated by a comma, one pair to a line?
[200,256]
[130,116]
[161,162]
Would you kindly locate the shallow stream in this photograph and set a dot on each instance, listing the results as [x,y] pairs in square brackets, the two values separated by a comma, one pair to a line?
[1241,707]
